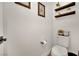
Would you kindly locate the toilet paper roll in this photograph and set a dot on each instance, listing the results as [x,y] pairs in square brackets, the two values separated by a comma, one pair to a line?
[45,42]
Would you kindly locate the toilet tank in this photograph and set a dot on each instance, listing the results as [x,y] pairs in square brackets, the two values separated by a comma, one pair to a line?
[62,41]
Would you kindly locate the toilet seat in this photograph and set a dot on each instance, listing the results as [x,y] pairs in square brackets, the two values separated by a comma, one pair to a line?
[59,51]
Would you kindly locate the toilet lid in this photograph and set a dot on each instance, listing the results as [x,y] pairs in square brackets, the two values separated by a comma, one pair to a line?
[59,51]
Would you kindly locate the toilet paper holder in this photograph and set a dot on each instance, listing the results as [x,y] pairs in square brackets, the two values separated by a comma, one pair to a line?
[43,42]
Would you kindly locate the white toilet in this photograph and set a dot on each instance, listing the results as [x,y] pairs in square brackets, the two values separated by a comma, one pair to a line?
[60,49]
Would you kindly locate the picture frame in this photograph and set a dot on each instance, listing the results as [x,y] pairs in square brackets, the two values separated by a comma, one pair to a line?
[41,9]
[24,4]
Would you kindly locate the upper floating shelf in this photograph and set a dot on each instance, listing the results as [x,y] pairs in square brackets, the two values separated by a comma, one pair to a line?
[65,6]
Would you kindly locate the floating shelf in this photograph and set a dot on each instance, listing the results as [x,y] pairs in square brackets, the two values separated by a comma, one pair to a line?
[65,6]
[65,14]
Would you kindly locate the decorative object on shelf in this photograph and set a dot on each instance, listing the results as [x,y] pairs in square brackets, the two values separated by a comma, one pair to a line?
[41,9]
[58,4]
[63,33]
[65,6]
[24,4]
[65,14]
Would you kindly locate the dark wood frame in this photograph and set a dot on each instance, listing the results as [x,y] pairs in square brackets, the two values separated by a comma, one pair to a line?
[65,14]
[20,3]
[65,6]
[39,9]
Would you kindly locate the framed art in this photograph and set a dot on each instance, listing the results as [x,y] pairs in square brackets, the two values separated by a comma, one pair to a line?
[24,4]
[41,9]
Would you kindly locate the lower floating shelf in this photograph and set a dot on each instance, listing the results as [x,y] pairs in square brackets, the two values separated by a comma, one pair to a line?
[65,14]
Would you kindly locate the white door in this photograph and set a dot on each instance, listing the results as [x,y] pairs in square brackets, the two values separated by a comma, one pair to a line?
[1,29]
[2,33]
[15,31]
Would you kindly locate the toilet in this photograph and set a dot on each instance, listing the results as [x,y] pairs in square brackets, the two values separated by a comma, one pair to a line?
[60,49]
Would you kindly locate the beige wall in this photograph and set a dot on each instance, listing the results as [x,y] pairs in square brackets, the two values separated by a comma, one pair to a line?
[68,23]
[25,29]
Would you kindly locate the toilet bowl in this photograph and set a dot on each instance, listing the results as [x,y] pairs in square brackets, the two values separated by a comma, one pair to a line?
[58,50]
[61,47]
